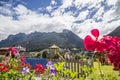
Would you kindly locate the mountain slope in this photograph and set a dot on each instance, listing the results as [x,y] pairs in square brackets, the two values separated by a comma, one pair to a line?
[115,32]
[37,41]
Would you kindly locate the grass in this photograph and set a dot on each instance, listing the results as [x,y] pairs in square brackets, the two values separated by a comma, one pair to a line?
[108,73]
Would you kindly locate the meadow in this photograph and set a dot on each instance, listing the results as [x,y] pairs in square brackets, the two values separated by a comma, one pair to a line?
[108,73]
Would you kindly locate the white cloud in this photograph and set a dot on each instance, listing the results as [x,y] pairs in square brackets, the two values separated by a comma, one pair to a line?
[5,10]
[83,15]
[66,3]
[21,10]
[30,21]
[111,2]
[84,28]
[99,12]
[53,2]
[117,7]
[81,3]
[49,8]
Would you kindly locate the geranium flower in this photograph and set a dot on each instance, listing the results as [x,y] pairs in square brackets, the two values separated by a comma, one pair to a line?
[23,64]
[3,67]
[22,59]
[13,50]
[4,62]
[39,69]
[17,54]
[113,50]
[29,66]
[92,44]
[109,44]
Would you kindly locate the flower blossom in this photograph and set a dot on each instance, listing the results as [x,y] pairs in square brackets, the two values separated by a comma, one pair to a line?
[39,69]
[25,70]
[109,44]
[3,67]
[50,65]
[92,44]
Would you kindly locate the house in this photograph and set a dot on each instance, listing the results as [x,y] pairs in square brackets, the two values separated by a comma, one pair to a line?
[20,48]
[3,51]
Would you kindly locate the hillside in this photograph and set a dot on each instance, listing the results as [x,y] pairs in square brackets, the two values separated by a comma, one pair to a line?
[115,32]
[37,41]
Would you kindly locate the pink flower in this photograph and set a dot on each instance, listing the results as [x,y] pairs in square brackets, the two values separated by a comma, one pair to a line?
[13,50]
[109,44]
[92,44]
[95,33]
[22,59]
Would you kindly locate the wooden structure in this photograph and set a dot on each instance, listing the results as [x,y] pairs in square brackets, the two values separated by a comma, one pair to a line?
[3,51]
[77,66]
[55,48]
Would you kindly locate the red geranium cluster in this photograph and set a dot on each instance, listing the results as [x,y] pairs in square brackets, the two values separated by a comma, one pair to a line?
[15,65]
[39,69]
[113,50]
[3,67]
[94,43]
[108,44]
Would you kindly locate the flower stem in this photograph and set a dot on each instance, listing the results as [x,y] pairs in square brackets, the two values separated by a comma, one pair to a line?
[101,74]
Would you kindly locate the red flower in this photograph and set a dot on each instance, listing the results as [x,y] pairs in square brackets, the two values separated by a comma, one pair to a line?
[29,66]
[95,33]
[3,68]
[0,64]
[39,69]
[18,67]
[107,43]
[23,64]
[13,50]
[89,42]
[93,44]
[113,50]
[22,59]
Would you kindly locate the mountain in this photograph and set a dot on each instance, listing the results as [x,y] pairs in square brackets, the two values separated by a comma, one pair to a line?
[115,32]
[37,41]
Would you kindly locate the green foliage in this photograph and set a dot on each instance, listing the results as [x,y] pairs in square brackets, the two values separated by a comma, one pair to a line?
[13,73]
[77,56]
[65,73]
[108,73]
[1,58]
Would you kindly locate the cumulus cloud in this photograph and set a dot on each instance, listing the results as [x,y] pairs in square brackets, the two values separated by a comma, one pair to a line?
[49,8]
[21,10]
[28,21]
[53,2]
[117,7]
[83,15]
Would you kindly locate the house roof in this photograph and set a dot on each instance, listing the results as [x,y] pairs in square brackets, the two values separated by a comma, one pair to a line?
[54,46]
[3,51]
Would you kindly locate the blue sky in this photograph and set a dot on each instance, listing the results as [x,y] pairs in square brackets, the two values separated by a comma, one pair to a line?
[79,16]
[36,4]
